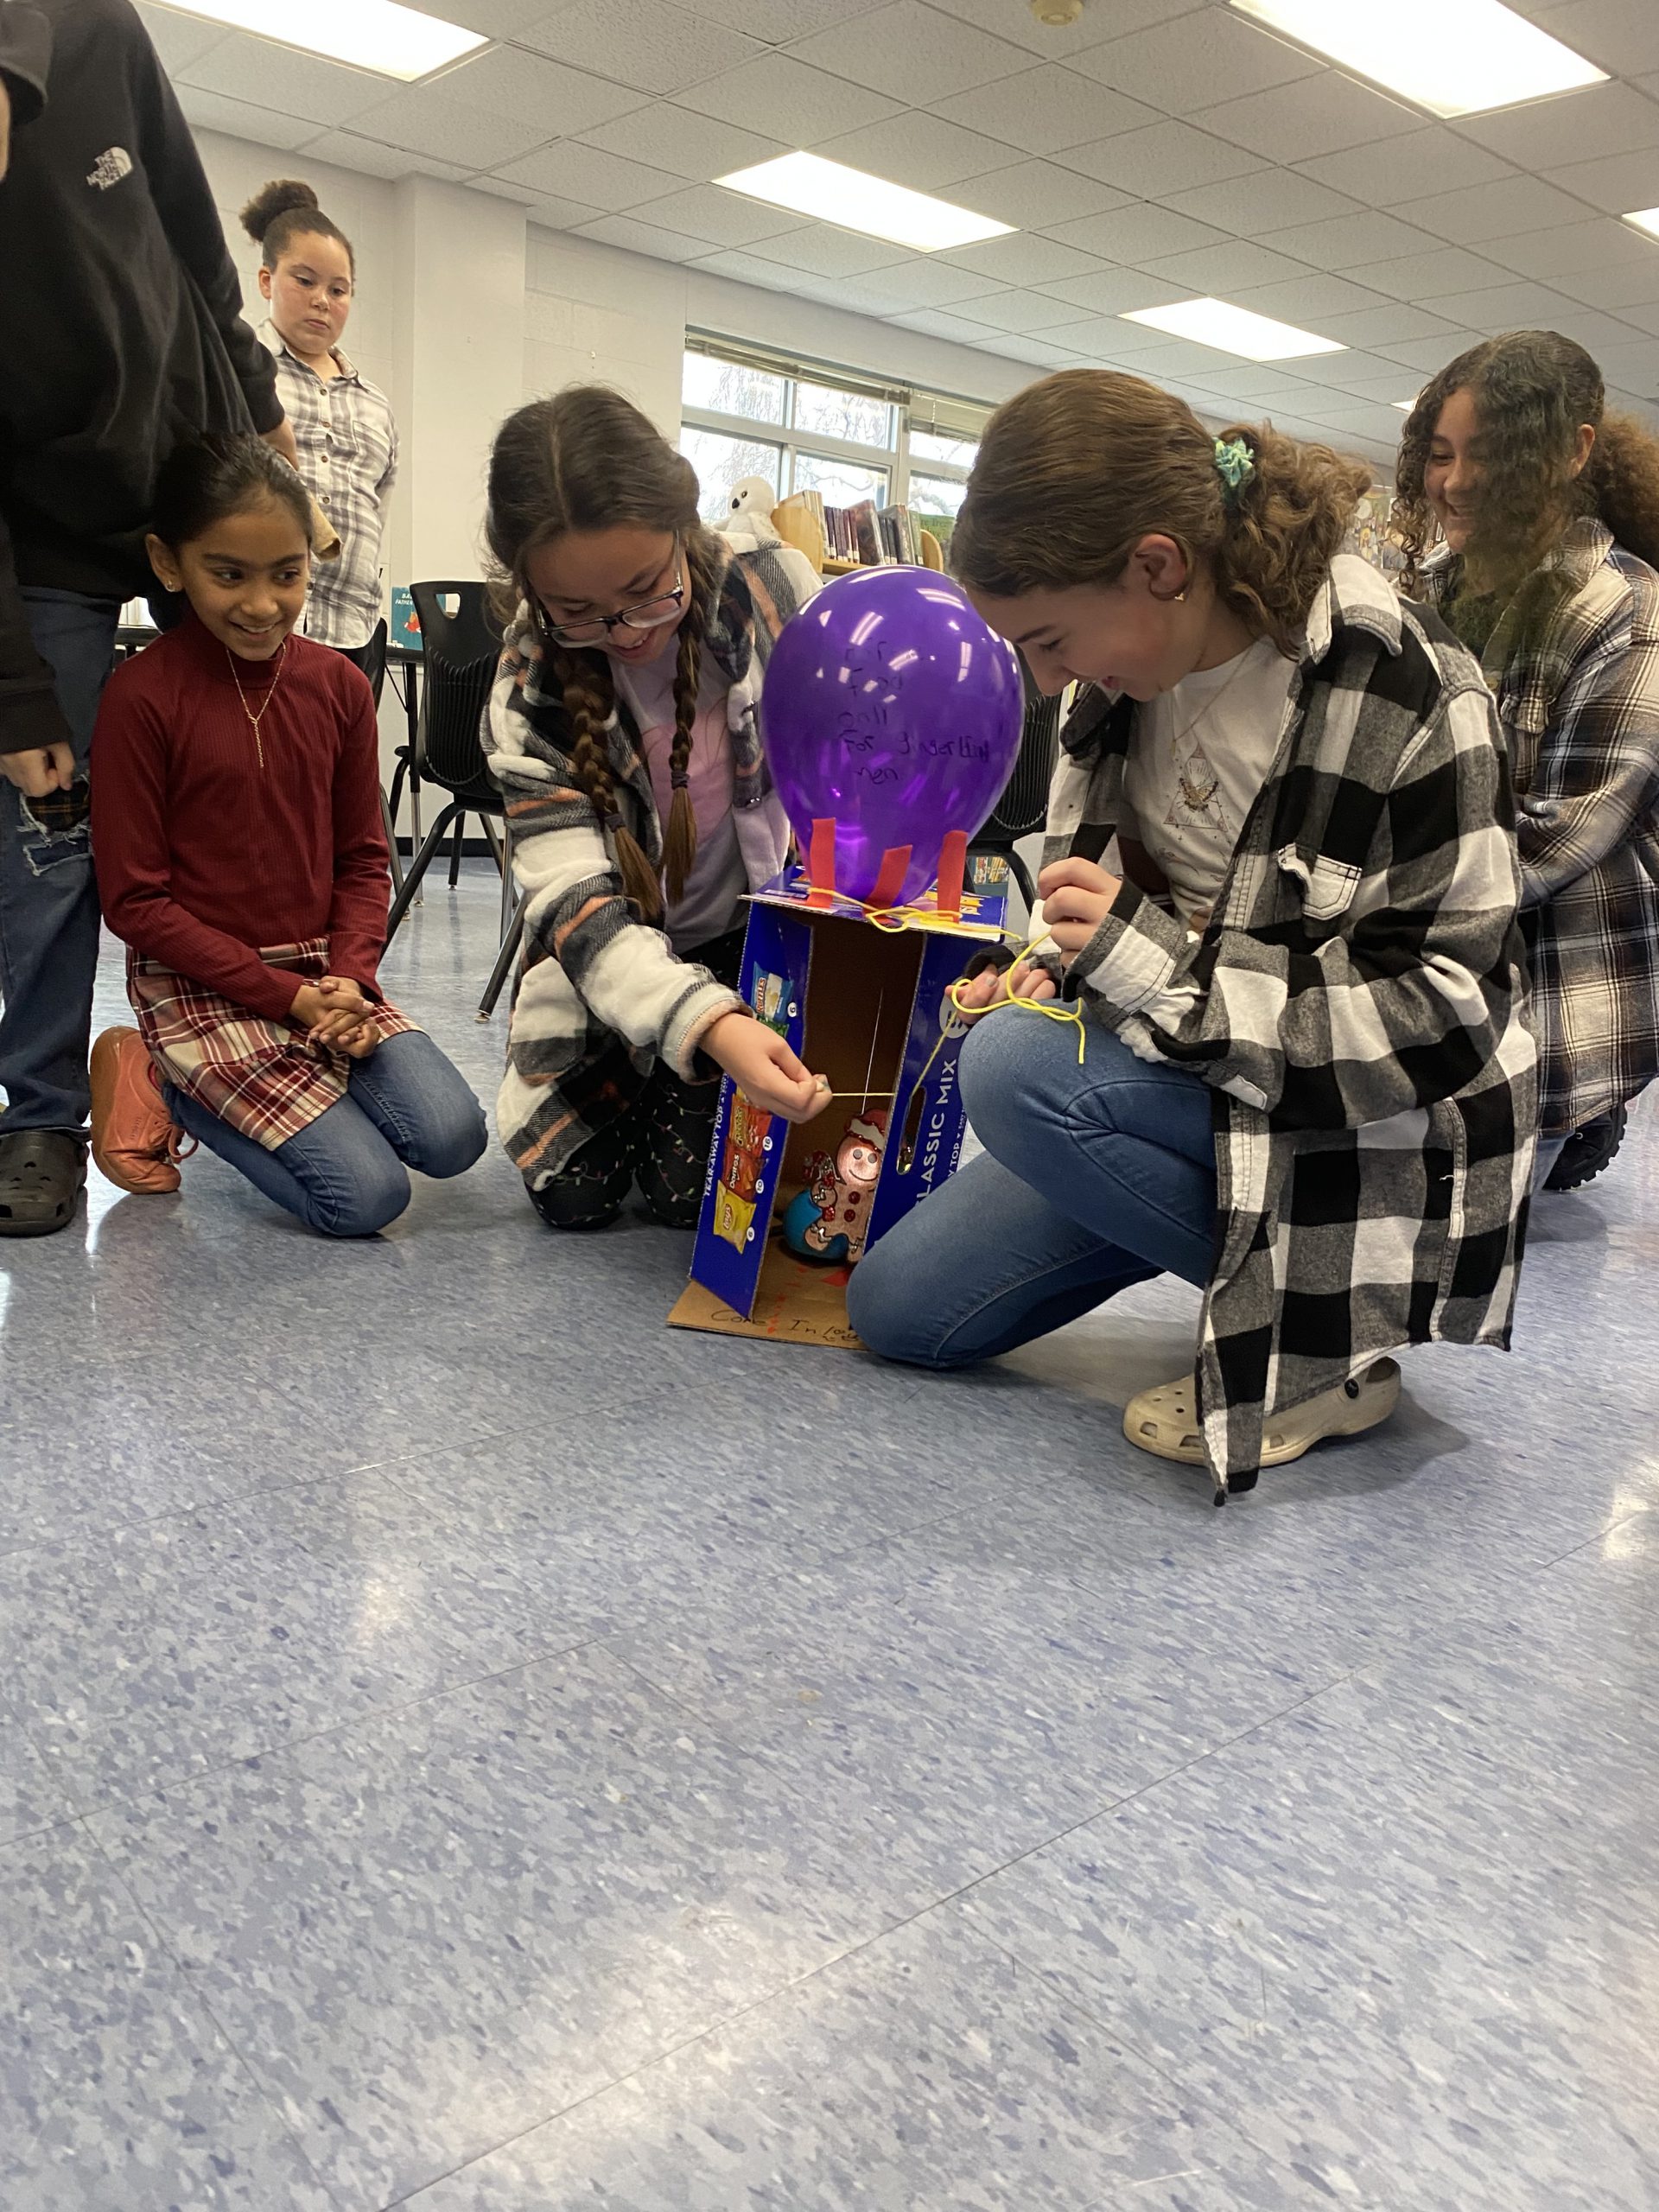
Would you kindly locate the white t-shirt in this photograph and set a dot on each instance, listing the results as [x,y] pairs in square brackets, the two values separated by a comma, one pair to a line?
[1198,760]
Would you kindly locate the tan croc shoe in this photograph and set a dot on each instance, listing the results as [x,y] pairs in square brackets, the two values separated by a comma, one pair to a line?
[136,1142]
[1165,1421]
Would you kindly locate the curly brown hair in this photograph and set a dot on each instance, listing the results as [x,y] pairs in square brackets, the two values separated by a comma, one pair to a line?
[587,459]
[284,210]
[1533,391]
[1076,470]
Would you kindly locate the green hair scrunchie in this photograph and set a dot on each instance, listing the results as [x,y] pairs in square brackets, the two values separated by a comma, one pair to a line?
[1235,464]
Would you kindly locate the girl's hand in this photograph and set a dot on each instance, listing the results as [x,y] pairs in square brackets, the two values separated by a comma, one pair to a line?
[1076,898]
[994,986]
[360,1043]
[760,1064]
[344,1008]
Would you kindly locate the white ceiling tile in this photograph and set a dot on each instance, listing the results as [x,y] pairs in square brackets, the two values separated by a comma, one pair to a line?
[493,18]
[918,280]
[1409,168]
[1427,356]
[1260,380]
[1271,199]
[1304,300]
[1161,159]
[1221,270]
[775,22]
[1044,111]
[1337,371]
[822,250]
[1578,247]
[1109,334]
[1032,195]
[1023,259]
[425,122]
[1020,310]
[1510,307]
[938,322]
[1315,116]
[1036,353]
[1643,316]
[299,85]
[545,208]
[707,211]
[1168,66]
[1344,241]
[644,42]
[922,150]
[1623,291]
[679,139]
[572,171]
[1430,277]
[930,55]
[178,39]
[749,269]
[1105,19]
[528,88]
[1113,291]
[239,119]
[1385,390]
[635,236]
[801,106]
[1179,357]
[1138,232]
[1610,338]
[348,149]
[1548,134]
[1396,324]
[1481,212]
[1617,183]
[1621,36]
[1633,367]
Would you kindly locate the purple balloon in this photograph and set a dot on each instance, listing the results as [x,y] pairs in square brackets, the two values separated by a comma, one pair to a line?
[890,705]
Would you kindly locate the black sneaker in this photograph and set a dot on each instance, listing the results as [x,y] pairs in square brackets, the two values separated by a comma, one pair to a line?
[1587,1151]
[43,1173]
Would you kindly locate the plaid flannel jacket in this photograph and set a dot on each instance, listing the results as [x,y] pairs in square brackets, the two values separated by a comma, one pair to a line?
[601,995]
[1580,702]
[348,459]
[1356,1001]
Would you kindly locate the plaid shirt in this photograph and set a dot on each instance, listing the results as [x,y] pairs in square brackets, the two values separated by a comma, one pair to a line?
[348,459]
[1356,1001]
[1579,702]
[601,995]
[259,1077]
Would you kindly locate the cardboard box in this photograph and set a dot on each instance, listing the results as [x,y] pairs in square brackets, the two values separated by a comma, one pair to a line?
[868,1009]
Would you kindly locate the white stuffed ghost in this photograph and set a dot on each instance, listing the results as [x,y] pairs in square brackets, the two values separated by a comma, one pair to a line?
[746,523]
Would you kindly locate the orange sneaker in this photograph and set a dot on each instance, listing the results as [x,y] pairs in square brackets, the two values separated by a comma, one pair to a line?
[136,1143]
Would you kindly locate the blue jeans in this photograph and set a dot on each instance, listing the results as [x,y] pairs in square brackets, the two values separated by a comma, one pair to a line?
[345,1175]
[1093,1178]
[49,898]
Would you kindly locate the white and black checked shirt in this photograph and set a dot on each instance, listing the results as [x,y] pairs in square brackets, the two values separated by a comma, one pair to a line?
[1356,1002]
[348,461]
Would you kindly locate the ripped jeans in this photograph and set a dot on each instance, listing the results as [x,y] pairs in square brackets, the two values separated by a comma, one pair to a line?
[49,898]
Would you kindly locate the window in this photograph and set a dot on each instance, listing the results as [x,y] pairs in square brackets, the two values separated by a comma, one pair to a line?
[840,433]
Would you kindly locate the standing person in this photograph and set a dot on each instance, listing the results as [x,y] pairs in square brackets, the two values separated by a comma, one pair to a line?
[343,423]
[626,733]
[1307,1085]
[121,335]
[1548,508]
[237,819]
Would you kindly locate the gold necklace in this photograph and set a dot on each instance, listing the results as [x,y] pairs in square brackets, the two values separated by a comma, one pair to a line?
[270,693]
[1196,792]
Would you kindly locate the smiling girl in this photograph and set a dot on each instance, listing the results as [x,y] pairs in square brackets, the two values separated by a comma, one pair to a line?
[236,828]
[347,440]
[1548,508]
[1306,1085]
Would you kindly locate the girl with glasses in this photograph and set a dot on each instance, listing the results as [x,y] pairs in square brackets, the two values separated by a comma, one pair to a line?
[624,731]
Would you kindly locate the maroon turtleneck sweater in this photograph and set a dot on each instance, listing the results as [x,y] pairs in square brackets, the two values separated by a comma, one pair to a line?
[202,855]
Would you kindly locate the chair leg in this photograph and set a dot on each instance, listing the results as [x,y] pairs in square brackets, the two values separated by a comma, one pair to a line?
[395,864]
[455,849]
[415,832]
[417,867]
[503,960]
[1021,875]
[508,889]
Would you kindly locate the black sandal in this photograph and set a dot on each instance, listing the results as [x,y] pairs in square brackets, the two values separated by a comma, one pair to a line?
[42,1173]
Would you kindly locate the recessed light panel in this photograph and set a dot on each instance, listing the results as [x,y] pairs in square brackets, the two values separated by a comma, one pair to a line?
[1235,330]
[1453,57]
[808,185]
[374,35]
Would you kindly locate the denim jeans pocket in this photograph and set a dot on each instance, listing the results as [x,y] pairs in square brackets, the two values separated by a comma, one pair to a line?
[56,830]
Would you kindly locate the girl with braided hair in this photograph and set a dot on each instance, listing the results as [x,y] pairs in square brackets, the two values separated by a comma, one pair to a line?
[624,731]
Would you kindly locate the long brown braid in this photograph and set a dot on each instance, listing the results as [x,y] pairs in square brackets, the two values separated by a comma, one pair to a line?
[587,459]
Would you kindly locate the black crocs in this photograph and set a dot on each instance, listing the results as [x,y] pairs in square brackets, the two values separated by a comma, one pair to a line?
[42,1173]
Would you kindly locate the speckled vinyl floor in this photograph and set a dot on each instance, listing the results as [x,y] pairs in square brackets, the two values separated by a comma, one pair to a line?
[464,1746]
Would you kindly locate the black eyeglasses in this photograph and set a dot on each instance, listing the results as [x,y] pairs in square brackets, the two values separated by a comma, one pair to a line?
[649,614]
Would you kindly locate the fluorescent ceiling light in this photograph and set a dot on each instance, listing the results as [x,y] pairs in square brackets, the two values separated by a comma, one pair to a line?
[809,184]
[1404,405]
[1234,330]
[1453,57]
[1646,219]
[374,35]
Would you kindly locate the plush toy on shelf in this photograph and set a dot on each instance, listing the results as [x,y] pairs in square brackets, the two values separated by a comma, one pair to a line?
[747,527]
[830,1219]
